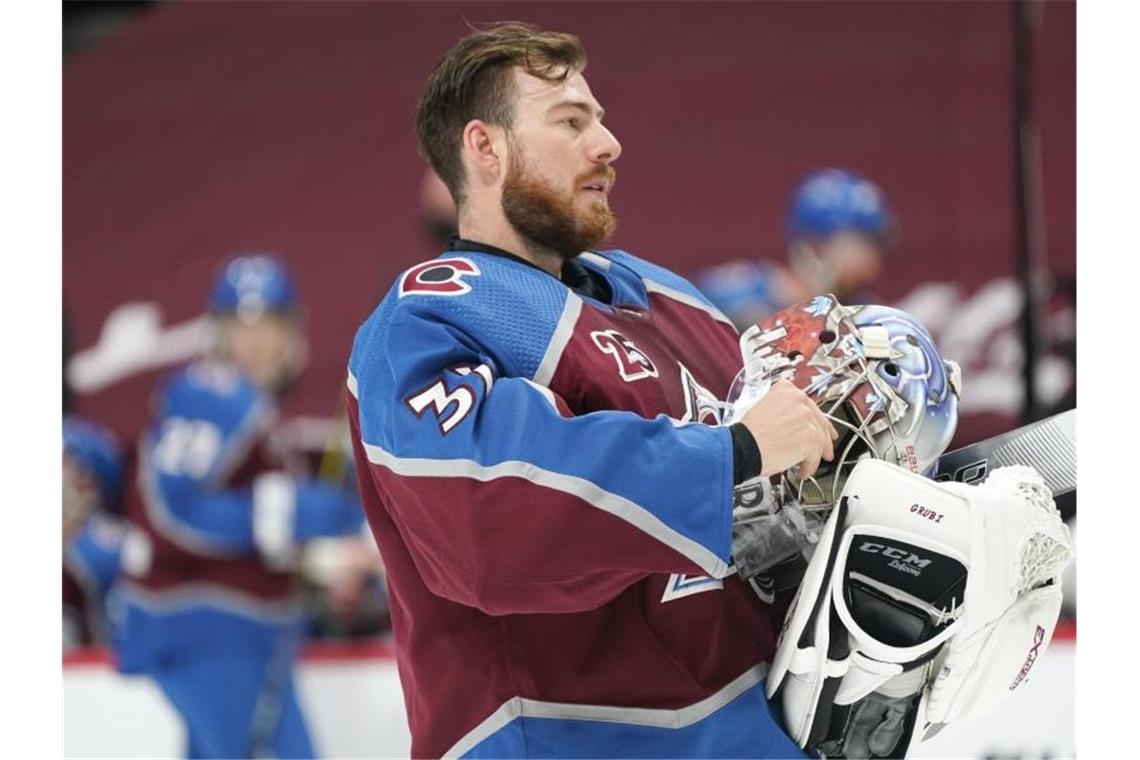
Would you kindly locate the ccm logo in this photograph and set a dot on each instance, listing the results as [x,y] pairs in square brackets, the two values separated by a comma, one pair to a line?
[929,514]
[901,559]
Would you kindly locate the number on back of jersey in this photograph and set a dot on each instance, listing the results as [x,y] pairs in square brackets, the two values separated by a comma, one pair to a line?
[187,447]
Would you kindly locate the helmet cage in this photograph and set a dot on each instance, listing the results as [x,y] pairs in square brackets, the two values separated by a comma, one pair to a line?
[818,346]
[864,431]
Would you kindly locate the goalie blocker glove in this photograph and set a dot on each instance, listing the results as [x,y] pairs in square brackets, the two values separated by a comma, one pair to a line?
[923,603]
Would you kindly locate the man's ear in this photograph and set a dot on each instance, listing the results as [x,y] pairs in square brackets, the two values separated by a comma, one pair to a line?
[482,152]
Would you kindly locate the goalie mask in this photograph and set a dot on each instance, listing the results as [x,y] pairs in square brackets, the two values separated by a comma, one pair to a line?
[875,373]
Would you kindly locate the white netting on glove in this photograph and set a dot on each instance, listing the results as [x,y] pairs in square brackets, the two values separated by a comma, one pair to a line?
[1045,552]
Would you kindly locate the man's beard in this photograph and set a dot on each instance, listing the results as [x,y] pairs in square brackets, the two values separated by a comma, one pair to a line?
[548,219]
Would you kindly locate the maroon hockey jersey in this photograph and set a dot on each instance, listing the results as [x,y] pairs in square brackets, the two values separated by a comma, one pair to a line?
[552,499]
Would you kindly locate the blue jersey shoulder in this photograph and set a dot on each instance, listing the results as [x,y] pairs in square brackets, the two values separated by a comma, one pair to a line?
[507,310]
[656,278]
[207,415]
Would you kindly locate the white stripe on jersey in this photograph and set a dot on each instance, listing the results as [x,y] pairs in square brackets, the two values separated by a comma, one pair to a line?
[688,300]
[619,506]
[562,332]
[520,707]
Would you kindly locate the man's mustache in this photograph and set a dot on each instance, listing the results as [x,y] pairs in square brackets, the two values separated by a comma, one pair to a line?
[608,173]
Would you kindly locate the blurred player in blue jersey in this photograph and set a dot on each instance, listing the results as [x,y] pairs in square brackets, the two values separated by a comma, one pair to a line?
[211,612]
[92,532]
[839,228]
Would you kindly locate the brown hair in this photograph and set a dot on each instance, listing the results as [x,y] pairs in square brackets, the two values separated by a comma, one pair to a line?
[473,81]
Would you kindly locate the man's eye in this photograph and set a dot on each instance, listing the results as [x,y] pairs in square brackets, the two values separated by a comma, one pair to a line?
[574,122]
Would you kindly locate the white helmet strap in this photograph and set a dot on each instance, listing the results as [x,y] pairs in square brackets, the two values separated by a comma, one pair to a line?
[876,342]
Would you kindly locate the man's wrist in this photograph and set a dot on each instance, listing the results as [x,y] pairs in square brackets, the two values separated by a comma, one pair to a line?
[746,462]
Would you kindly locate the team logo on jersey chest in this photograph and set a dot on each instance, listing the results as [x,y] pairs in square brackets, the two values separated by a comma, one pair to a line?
[633,363]
[439,277]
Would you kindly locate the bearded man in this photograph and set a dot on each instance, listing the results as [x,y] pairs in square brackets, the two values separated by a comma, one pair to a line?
[535,425]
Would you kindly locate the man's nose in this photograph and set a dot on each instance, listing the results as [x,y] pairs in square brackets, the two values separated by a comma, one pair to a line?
[607,149]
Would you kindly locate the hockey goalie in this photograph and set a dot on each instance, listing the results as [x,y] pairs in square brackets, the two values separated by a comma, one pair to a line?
[921,603]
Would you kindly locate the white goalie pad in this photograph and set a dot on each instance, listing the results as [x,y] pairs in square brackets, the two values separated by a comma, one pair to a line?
[923,603]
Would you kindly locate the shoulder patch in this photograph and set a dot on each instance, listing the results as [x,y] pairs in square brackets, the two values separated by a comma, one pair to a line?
[439,277]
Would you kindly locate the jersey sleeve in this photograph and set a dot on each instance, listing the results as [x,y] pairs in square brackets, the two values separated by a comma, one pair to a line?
[510,503]
[271,515]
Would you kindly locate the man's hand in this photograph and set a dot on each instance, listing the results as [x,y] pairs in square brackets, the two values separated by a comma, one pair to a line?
[790,430]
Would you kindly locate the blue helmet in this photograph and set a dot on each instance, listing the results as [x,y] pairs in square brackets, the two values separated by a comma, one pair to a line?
[251,285]
[924,386]
[835,200]
[95,451]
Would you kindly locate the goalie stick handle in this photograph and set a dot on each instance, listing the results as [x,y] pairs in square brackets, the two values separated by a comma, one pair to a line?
[1049,446]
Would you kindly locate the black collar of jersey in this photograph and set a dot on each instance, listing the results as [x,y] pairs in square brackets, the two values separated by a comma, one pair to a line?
[581,279]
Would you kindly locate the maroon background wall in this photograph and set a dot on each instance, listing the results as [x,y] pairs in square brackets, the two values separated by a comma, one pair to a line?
[210,127]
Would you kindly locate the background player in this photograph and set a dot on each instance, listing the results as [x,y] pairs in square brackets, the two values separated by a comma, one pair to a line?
[210,611]
[93,532]
[839,228]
